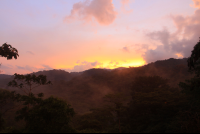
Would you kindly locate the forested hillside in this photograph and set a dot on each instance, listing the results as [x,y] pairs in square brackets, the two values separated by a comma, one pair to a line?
[85,90]
[150,98]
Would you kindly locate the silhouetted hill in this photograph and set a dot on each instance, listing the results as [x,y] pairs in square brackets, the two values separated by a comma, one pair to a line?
[170,63]
[85,90]
[4,76]
[56,75]
[92,72]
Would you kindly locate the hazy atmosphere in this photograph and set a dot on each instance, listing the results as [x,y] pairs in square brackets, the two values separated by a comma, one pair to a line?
[76,35]
[99,66]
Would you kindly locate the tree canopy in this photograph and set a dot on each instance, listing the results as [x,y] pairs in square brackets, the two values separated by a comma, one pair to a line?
[7,51]
[28,82]
[50,115]
[194,59]
[194,66]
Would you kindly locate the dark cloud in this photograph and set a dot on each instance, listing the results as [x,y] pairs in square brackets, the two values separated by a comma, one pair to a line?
[181,41]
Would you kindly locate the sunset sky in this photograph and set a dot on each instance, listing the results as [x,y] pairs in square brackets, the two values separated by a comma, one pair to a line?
[76,35]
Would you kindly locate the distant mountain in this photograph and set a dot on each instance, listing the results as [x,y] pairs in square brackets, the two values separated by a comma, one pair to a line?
[4,76]
[171,63]
[85,90]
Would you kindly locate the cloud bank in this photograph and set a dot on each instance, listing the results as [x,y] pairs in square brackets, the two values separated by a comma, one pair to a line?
[101,10]
[177,44]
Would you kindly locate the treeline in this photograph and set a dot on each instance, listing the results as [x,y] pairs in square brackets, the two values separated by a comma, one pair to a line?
[153,106]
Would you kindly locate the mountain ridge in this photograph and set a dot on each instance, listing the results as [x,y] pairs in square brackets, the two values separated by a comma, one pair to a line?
[85,90]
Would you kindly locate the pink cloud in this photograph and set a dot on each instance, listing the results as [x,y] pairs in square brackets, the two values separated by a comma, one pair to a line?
[196,3]
[189,25]
[101,10]
[177,44]
[180,42]
[126,3]
[82,66]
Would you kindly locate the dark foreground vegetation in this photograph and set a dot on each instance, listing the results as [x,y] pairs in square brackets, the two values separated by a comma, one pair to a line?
[153,98]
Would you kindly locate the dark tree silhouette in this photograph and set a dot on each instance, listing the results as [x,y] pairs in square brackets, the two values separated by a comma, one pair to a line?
[1,122]
[194,67]
[194,59]
[117,100]
[28,82]
[189,118]
[9,52]
[51,115]
[154,105]
[148,84]
[6,50]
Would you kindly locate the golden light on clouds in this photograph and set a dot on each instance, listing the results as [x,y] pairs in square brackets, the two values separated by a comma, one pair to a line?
[179,55]
[125,35]
[129,63]
[196,3]
[85,65]
[101,10]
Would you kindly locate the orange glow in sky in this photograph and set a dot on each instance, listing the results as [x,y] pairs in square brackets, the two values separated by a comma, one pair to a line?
[109,65]
[78,35]
[179,55]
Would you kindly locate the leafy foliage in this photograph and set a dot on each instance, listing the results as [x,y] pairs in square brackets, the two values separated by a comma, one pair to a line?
[194,66]
[189,118]
[99,119]
[193,84]
[148,84]
[28,82]
[154,105]
[49,115]
[1,122]
[194,59]
[107,118]
[5,95]
[117,107]
[52,114]
[8,51]
[153,108]
[6,104]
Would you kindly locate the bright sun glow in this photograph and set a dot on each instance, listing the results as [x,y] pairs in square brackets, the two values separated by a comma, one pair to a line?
[97,34]
[134,63]
[179,55]
[106,64]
